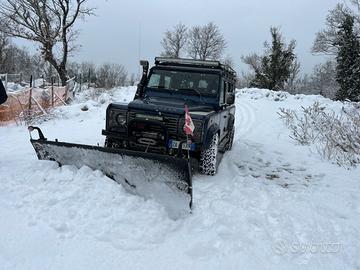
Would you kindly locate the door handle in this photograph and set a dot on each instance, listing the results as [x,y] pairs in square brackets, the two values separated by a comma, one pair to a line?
[225,116]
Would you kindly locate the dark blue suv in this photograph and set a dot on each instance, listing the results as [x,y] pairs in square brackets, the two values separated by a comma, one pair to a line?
[153,122]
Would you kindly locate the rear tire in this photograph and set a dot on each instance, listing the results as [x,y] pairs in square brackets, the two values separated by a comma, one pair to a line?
[208,157]
[230,139]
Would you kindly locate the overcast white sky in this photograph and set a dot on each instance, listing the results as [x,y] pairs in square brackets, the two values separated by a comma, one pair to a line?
[113,35]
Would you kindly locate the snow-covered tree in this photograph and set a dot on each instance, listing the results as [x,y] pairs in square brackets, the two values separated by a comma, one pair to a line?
[277,66]
[174,41]
[325,41]
[348,61]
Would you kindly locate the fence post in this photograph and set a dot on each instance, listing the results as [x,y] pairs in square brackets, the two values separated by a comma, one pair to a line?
[6,82]
[52,91]
[30,97]
[66,91]
[89,78]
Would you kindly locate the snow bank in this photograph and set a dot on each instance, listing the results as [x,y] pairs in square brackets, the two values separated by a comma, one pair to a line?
[272,205]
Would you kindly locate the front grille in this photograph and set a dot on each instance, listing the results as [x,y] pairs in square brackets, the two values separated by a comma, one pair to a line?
[170,122]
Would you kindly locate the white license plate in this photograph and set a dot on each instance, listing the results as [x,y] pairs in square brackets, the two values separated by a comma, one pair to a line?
[185,146]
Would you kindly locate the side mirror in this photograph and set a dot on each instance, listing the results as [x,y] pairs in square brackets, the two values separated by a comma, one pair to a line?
[230,99]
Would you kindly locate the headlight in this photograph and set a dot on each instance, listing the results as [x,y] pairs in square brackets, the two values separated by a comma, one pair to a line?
[121,119]
[116,118]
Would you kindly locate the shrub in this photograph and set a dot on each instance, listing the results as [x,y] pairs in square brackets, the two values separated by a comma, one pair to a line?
[335,136]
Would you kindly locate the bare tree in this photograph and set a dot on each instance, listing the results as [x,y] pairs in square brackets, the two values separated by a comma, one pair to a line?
[324,79]
[4,46]
[174,41]
[50,23]
[132,79]
[325,41]
[253,60]
[194,43]
[228,60]
[244,80]
[111,75]
[88,72]
[206,42]
[295,69]
[14,59]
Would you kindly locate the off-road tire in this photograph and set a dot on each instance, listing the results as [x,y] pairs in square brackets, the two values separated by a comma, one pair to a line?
[208,157]
[229,139]
[108,143]
[111,143]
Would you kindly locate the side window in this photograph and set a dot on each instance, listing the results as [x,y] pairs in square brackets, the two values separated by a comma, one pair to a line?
[167,81]
[154,80]
[230,92]
[231,88]
[226,90]
[222,93]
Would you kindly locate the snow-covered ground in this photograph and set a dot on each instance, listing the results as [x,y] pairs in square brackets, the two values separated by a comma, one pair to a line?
[272,205]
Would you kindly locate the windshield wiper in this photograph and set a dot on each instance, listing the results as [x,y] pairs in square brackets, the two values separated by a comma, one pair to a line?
[157,87]
[191,89]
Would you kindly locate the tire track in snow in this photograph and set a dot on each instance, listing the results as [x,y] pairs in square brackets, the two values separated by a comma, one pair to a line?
[245,119]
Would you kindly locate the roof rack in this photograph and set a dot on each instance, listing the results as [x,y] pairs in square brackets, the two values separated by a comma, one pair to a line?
[193,62]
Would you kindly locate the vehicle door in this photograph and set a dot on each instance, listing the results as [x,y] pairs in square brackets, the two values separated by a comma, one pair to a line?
[224,113]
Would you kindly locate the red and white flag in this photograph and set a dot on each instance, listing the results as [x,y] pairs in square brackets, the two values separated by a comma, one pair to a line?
[189,126]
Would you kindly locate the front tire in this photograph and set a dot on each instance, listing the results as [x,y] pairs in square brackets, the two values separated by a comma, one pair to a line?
[208,157]
[110,143]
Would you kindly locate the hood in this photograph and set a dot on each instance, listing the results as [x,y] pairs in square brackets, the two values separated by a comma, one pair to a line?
[165,105]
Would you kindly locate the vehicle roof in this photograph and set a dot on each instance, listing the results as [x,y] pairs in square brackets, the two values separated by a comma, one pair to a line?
[196,65]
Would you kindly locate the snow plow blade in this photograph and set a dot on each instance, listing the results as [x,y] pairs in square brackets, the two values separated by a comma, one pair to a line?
[166,179]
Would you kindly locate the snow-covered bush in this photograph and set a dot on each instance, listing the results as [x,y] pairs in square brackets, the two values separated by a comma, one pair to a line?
[335,136]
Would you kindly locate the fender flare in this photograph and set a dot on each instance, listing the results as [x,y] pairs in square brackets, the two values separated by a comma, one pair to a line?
[231,122]
[210,133]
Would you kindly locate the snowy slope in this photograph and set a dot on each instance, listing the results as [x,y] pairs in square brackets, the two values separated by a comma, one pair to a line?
[273,205]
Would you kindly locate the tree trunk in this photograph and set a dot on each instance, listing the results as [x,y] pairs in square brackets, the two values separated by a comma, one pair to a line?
[60,69]
[63,76]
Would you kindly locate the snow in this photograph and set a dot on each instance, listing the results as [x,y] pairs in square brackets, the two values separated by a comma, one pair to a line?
[13,87]
[272,205]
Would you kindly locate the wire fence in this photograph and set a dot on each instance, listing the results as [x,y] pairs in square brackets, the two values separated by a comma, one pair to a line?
[23,107]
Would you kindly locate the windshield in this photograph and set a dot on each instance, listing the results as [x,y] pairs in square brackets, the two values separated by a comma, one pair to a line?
[192,82]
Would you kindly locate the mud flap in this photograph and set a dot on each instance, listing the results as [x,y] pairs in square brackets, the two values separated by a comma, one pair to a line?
[165,179]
